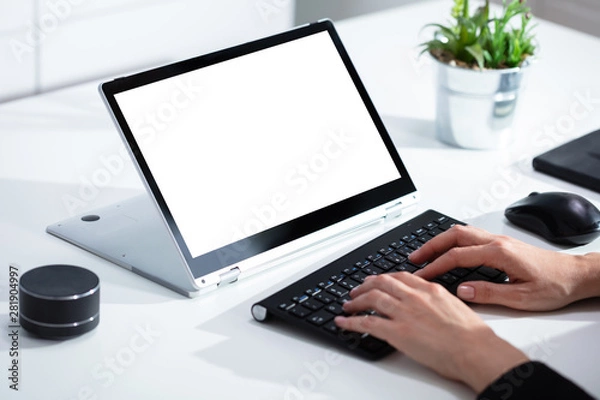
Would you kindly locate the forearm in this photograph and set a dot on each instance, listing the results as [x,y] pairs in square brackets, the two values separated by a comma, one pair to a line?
[487,359]
[587,276]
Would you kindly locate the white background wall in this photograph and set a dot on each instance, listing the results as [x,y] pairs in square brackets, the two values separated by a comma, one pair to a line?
[46,44]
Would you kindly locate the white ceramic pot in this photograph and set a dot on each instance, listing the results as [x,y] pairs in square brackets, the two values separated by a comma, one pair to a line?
[475,109]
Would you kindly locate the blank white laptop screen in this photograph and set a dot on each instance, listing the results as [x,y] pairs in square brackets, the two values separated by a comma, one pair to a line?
[253,142]
[256,146]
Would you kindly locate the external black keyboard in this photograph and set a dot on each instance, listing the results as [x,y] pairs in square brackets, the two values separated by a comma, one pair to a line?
[311,303]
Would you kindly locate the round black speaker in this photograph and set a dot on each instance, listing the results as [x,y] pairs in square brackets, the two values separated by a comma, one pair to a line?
[59,301]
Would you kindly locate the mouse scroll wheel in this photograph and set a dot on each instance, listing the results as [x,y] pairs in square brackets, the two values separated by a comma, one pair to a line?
[533,194]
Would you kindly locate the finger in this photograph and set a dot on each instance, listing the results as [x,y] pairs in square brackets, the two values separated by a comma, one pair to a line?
[458,235]
[373,325]
[465,257]
[411,280]
[381,302]
[386,283]
[481,292]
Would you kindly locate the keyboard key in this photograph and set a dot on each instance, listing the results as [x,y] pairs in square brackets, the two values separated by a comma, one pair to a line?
[419,266]
[362,264]
[406,267]
[373,270]
[331,327]
[420,232]
[334,308]
[460,272]
[396,258]
[386,250]
[337,290]
[441,219]
[320,318]
[385,264]
[337,278]
[405,251]
[371,344]
[415,245]
[408,238]
[431,225]
[474,276]
[424,239]
[489,272]
[397,244]
[359,277]
[299,299]
[434,232]
[344,299]
[447,278]
[300,312]
[312,304]
[446,225]
[312,292]
[326,284]
[350,270]
[374,257]
[324,297]
[349,284]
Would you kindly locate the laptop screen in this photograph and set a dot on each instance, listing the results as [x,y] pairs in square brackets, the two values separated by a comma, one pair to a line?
[244,150]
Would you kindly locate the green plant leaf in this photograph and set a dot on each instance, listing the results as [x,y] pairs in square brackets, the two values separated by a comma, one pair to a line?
[489,42]
[477,52]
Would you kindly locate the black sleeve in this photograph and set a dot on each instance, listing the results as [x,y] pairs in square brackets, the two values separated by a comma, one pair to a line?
[533,380]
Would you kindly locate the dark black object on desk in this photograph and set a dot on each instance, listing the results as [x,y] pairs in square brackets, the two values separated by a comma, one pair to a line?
[577,161]
[59,301]
[559,217]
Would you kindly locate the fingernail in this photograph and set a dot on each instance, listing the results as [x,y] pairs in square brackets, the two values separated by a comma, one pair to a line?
[466,292]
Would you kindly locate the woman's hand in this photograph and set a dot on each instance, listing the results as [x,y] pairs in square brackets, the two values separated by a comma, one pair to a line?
[539,279]
[427,323]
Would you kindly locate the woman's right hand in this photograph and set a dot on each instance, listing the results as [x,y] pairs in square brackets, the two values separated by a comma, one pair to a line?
[539,279]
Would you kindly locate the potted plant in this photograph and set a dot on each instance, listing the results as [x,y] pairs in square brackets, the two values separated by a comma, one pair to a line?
[481,64]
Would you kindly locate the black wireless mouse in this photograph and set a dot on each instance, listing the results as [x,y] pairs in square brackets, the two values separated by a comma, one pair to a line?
[562,218]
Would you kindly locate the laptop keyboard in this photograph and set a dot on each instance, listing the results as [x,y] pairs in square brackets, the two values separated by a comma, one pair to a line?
[311,303]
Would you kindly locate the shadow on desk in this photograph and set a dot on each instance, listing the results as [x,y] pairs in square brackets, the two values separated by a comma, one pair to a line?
[301,367]
[295,362]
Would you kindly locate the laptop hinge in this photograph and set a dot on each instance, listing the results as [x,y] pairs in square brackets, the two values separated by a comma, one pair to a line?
[394,210]
[229,276]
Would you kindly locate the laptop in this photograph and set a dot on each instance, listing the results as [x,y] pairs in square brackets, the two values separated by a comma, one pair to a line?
[577,161]
[250,156]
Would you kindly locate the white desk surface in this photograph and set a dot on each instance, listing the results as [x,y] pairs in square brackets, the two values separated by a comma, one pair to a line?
[154,344]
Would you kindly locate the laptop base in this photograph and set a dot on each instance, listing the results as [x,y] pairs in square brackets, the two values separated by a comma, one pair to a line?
[132,235]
